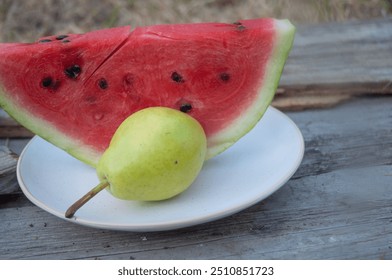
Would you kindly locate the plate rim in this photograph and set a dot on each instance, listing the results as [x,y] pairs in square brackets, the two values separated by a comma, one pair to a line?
[172,225]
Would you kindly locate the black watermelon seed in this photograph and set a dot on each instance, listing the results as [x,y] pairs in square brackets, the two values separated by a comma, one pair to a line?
[65,41]
[225,77]
[185,107]
[241,27]
[177,77]
[102,83]
[61,37]
[45,41]
[46,82]
[237,23]
[73,71]
[49,83]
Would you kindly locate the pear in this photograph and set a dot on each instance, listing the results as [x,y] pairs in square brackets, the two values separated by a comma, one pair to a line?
[155,154]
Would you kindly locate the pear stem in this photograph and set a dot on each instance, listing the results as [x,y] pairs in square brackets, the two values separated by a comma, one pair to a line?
[84,199]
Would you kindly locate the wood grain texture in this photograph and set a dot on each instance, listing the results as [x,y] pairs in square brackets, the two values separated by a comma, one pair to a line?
[8,161]
[332,62]
[338,205]
[335,56]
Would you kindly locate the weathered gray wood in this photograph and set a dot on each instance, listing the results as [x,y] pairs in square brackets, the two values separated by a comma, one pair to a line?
[331,62]
[15,145]
[318,217]
[9,153]
[355,134]
[337,206]
[8,161]
[352,52]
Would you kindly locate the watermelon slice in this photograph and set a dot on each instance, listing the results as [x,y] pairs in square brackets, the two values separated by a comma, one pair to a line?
[75,90]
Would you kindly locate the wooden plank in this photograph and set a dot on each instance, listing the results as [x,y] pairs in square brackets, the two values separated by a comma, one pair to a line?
[330,216]
[353,53]
[16,145]
[356,134]
[9,153]
[337,206]
[302,102]
[8,161]
[335,60]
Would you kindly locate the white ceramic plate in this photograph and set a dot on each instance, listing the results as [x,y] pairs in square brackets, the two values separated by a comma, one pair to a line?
[252,169]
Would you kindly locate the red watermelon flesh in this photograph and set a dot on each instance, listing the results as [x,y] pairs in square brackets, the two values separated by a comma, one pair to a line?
[75,90]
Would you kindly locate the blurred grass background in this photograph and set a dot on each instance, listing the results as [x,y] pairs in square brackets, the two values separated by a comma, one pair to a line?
[25,21]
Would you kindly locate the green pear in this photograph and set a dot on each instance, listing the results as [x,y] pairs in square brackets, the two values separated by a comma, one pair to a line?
[155,154]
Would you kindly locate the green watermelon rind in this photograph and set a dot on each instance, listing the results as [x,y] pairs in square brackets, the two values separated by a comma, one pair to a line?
[47,131]
[285,32]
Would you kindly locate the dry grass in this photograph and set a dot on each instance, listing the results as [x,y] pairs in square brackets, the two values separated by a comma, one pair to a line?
[27,20]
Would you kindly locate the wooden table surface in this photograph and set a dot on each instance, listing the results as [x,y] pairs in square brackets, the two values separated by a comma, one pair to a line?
[338,205]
